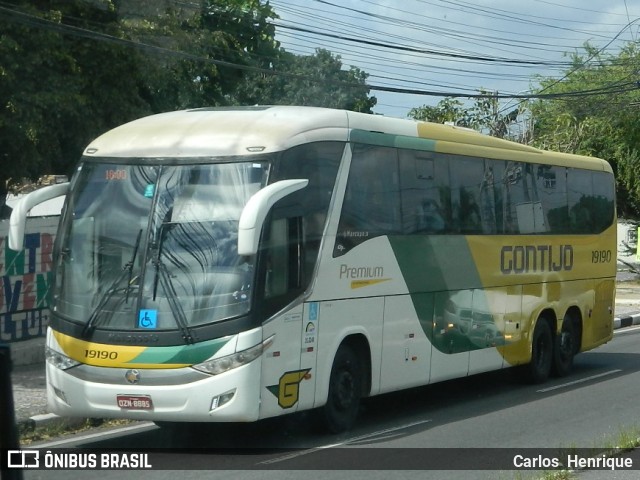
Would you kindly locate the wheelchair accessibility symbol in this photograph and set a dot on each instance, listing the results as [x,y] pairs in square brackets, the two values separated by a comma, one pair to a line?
[148,319]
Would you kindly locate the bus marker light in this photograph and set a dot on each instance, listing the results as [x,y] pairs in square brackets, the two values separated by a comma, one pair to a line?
[61,395]
[221,400]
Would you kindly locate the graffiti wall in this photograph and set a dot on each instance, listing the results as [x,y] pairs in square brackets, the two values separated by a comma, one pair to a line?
[25,278]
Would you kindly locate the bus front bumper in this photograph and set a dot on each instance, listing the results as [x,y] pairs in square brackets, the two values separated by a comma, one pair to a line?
[179,395]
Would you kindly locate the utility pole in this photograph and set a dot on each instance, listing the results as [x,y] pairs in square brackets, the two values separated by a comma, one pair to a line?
[495,127]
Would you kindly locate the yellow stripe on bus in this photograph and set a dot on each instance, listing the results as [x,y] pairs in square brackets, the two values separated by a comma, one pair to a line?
[365,283]
[103,355]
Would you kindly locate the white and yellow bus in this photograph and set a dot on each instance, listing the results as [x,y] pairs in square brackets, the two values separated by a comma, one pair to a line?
[234,264]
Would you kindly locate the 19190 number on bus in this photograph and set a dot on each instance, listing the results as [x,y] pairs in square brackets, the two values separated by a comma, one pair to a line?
[601,256]
[101,354]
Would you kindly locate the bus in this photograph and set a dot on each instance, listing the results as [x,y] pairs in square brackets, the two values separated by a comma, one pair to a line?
[235,264]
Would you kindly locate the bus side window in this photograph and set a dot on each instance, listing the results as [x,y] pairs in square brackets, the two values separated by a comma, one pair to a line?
[591,201]
[552,191]
[467,175]
[604,201]
[371,205]
[318,163]
[283,250]
[424,187]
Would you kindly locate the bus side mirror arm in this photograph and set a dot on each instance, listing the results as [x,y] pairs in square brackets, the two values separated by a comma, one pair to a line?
[256,210]
[18,219]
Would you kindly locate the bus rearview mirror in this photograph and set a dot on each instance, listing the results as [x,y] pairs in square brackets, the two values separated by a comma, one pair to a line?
[256,210]
[18,219]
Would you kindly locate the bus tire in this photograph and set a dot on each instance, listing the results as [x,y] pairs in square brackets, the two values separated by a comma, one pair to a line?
[541,352]
[564,349]
[345,389]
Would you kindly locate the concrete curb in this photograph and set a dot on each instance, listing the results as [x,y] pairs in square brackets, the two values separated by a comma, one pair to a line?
[626,321]
[49,420]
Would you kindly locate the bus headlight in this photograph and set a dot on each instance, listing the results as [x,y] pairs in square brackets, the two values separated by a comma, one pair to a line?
[220,365]
[59,360]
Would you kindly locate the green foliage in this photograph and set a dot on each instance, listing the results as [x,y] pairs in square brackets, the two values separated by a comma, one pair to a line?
[483,115]
[60,90]
[447,110]
[315,80]
[603,122]
[205,42]
[72,69]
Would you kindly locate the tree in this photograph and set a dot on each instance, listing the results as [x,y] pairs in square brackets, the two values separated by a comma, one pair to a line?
[601,120]
[483,115]
[206,48]
[61,89]
[448,110]
[316,80]
[72,69]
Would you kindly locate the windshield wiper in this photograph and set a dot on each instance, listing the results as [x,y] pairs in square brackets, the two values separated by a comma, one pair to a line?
[162,276]
[129,265]
[174,305]
[126,269]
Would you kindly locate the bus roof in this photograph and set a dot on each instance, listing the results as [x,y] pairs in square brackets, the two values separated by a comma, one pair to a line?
[231,131]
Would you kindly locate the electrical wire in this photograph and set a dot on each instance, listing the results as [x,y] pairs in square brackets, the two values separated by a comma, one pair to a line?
[63,28]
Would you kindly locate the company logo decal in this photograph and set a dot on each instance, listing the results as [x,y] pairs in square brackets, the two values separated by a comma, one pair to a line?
[363,276]
[132,376]
[535,258]
[288,389]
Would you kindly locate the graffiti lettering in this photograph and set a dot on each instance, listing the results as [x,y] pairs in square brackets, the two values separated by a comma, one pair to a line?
[25,278]
[27,292]
[23,325]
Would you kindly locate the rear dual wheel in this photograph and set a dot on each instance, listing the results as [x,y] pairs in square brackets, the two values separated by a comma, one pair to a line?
[564,349]
[541,352]
[552,353]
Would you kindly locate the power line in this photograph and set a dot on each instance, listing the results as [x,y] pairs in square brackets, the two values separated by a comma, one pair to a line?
[406,48]
[383,28]
[38,22]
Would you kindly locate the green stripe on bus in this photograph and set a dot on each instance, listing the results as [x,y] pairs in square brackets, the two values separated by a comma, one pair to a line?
[435,263]
[388,140]
[182,354]
[432,266]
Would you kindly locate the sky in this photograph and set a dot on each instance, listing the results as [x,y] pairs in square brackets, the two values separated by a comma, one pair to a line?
[454,46]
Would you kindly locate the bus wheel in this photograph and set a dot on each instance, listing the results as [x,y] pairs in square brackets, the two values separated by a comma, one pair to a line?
[345,388]
[564,348]
[541,352]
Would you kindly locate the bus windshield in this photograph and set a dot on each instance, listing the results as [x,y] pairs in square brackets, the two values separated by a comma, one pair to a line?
[155,246]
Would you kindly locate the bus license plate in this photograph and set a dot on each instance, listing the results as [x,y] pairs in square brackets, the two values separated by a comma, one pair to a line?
[135,402]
